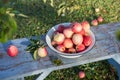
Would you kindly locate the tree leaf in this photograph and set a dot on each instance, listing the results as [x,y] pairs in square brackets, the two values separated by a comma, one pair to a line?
[61,4]
[60,11]
[22,15]
[15,12]
[8,26]
[44,1]
[52,3]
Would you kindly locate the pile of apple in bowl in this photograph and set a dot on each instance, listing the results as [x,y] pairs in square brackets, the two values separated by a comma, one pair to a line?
[70,40]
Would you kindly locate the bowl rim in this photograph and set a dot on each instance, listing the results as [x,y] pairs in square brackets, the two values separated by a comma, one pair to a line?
[67,54]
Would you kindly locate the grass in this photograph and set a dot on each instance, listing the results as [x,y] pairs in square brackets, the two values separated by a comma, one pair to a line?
[41,17]
[94,71]
[101,70]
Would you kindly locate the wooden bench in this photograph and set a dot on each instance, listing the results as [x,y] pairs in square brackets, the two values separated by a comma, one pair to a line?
[106,47]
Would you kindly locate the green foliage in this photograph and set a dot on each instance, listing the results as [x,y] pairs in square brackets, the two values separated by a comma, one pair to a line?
[101,70]
[33,47]
[94,71]
[7,23]
[64,6]
[107,8]
[42,16]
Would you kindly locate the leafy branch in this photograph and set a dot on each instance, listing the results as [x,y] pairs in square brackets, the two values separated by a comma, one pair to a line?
[33,47]
[8,25]
[64,7]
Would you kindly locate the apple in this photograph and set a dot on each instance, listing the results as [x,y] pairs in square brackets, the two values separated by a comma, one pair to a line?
[68,32]
[82,32]
[76,27]
[54,44]
[60,48]
[42,52]
[68,43]
[80,47]
[87,41]
[59,38]
[86,26]
[81,74]
[77,39]
[72,50]
[100,19]
[60,28]
[94,22]
[12,51]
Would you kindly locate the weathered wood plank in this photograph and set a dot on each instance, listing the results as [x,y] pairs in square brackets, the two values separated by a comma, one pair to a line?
[106,46]
[20,64]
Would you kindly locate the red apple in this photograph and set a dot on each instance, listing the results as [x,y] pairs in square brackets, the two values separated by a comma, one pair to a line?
[76,27]
[87,40]
[80,47]
[12,51]
[53,43]
[68,43]
[60,48]
[82,32]
[68,32]
[81,74]
[100,19]
[86,26]
[77,39]
[59,38]
[42,52]
[71,50]
[61,28]
[94,22]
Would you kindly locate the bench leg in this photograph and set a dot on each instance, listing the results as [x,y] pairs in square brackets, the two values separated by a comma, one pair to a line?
[117,58]
[115,61]
[44,75]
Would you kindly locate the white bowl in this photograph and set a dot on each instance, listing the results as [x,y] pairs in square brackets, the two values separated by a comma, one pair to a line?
[49,36]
